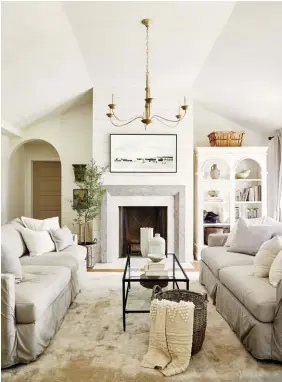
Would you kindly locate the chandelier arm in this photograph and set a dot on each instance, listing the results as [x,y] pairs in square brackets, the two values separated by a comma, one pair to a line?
[127,123]
[164,123]
[169,120]
[123,120]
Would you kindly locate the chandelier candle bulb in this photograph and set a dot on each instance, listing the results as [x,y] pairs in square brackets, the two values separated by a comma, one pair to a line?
[112,98]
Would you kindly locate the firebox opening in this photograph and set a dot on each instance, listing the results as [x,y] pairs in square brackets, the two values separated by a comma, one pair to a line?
[131,219]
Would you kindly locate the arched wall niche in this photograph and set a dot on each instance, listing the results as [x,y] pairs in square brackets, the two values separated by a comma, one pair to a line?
[22,156]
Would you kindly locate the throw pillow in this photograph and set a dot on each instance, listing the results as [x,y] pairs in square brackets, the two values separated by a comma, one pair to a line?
[62,238]
[10,263]
[41,225]
[248,239]
[266,255]
[38,242]
[275,273]
[256,221]
[277,226]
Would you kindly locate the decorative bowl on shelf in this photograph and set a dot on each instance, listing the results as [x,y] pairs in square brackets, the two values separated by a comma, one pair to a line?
[243,174]
[155,258]
[213,193]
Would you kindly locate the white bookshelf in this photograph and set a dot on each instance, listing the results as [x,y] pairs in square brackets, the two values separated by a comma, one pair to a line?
[229,160]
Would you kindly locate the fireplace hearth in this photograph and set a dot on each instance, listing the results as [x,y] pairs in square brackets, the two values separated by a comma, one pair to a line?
[131,219]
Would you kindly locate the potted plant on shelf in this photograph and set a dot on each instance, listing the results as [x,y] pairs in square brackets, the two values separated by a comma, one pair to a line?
[87,198]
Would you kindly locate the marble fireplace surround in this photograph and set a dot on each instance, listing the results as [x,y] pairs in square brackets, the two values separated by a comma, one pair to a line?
[171,196]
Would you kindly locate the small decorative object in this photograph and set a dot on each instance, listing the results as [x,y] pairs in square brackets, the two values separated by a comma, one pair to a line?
[157,245]
[244,174]
[79,172]
[146,234]
[147,117]
[215,172]
[155,258]
[237,212]
[136,153]
[226,138]
[153,281]
[213,193]
[211,218]
[200,313]
[88,198]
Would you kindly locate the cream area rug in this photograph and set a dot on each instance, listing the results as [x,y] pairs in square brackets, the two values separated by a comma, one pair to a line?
[91,345]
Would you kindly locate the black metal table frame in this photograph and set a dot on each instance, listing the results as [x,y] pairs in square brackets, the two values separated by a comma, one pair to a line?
[128,280]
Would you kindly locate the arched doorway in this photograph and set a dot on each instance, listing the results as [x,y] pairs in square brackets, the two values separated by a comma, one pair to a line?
[35,180]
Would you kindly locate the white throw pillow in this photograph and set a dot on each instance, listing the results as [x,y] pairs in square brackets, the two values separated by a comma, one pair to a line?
[37,242]
[256,221]
[275,273]
[266,255]
[62,238]
[249,238]
[41,225]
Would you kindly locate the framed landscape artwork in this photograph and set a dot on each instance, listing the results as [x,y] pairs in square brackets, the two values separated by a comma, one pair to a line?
[151,153]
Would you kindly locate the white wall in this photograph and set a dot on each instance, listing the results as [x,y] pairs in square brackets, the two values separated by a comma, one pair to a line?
[71,135]
[5,147]
[205,122]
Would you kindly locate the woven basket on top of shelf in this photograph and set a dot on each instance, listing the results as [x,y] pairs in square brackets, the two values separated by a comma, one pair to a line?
[226,138]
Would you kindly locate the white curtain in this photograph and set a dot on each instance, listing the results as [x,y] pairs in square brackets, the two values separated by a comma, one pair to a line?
[277,175]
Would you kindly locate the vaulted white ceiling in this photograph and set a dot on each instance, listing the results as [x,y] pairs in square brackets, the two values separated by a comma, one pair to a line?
[225,55]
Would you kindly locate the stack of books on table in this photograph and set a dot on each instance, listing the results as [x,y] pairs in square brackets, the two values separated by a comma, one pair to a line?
[156,269]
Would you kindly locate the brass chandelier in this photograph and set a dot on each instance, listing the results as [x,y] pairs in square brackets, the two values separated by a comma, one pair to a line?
[147,118]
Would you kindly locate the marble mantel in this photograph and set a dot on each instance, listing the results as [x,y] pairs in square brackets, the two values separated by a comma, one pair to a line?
[116,196]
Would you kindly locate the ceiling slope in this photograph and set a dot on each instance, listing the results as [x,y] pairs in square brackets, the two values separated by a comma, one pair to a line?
[242,77]
[42,66]
[112,41]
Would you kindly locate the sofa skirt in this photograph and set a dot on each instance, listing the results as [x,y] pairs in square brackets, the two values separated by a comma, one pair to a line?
[259,338]
[32,339]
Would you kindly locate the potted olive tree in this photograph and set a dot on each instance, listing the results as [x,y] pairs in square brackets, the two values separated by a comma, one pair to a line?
[87,198]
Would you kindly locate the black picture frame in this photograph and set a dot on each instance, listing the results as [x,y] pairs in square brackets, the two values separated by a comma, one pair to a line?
[149,138]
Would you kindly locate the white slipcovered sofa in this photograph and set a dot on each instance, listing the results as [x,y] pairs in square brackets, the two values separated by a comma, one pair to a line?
[33,310]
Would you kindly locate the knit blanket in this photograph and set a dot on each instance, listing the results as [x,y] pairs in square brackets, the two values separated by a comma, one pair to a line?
[171,336]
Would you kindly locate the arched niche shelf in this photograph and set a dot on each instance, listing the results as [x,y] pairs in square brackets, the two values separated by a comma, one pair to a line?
[222,165]
[246,164]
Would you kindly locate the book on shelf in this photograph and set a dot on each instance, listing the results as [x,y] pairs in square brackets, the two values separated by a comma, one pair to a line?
[250,194]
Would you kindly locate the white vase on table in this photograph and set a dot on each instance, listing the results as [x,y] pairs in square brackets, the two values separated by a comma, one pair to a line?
[146,234]
[157,245]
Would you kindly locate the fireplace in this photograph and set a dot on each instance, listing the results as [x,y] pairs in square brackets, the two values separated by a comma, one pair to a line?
[131,219]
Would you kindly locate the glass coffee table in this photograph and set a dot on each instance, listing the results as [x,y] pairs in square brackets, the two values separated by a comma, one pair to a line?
[134,273]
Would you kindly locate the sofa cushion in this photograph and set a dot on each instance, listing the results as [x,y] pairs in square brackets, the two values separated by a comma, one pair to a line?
[38,290]
[255,293]
[217,258]
[52,259]
[12,240]
[77,251]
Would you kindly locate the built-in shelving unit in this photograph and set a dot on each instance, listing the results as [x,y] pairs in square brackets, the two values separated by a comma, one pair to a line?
[234,197]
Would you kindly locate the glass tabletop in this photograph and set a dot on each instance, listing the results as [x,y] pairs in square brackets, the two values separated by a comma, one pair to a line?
[135,269]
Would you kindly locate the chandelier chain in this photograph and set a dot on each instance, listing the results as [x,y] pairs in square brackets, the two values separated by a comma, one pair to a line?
[147,50]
